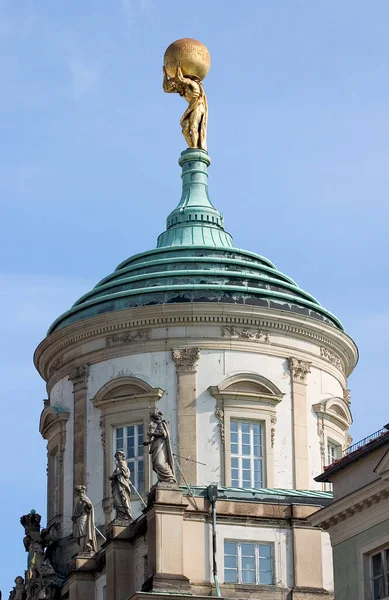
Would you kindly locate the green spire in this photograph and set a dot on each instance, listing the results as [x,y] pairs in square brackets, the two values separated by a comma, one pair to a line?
[195,221]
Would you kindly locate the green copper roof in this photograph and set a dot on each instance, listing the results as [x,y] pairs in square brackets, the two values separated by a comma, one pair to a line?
[195,261]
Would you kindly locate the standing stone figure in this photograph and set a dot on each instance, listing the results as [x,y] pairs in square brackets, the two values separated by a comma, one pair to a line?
[19,591]
[160,448]
[120,485]
[84,521]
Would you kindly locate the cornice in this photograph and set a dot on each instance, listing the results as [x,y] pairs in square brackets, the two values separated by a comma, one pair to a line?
[242,327]
[351,505]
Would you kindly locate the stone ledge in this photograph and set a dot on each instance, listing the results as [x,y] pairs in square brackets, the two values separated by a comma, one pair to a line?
[167,583]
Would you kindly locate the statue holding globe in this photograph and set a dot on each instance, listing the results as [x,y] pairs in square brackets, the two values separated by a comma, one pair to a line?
[186,63]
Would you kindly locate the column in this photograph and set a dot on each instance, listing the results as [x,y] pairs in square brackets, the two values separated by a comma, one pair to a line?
[79,377]
[299,370]
[186,364]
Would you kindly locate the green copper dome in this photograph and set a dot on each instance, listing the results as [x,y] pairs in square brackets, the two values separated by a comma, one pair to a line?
[195,261]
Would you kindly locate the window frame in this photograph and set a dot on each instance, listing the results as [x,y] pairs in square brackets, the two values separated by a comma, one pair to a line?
[136,459]
[240,456]
[240,569]
[251,405]
[385,572]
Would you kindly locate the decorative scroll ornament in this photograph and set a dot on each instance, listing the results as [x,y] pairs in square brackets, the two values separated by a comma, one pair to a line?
[332,358]
[245,334]
[347,396]
[127,338]
[79,374]
[219,414]
[299,369]
[273,421]
[186,358]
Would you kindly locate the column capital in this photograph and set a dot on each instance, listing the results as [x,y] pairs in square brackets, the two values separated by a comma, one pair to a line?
[79,375]
[299,369]
[186,359]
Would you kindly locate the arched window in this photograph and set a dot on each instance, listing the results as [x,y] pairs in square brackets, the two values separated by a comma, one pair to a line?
[125,404]
[246,408]
[333,422]
[52,426]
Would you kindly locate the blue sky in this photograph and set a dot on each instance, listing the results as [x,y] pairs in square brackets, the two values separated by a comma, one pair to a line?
[298,135]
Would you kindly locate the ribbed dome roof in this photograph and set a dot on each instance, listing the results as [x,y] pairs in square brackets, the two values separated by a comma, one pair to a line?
[195,261]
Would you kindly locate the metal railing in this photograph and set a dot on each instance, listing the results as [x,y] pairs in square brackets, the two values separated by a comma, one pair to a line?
[367,440]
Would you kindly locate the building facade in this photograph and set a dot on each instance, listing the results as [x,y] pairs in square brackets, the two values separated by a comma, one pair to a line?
[250,373]
[358,519]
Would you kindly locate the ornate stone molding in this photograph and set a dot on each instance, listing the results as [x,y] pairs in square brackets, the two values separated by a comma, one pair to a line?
[347,396]
[57,364]
[355,508]
[299,369]
[79,374]
[273,421]
[245,334]
[210,317]
[332,358]
[127,338]
[186,358]
[219,414]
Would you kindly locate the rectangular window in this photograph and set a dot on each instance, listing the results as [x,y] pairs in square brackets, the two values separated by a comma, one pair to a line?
[247,562]
[332,453]
[379,574]
[129,439]
[247,443]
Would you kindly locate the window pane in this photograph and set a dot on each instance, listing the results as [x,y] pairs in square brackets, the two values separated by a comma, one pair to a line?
[245,428]
[248,550]
[248,576]
[266,578]
[234,463]
[230,562]
[230,576]
[378,588]
[230,548]
[234,426]
[234,448]
[377,564]
[246,450]
[264,551]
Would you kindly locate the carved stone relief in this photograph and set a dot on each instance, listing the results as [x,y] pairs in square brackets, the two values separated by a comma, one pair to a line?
[245,334]
[186,358]
[127,338]
[79,374]
[332,358]
[299,369]
[219,413]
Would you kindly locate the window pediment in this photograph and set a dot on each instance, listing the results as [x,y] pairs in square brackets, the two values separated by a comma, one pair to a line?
[335,410]
[51,418]
[247,387]
[124,389]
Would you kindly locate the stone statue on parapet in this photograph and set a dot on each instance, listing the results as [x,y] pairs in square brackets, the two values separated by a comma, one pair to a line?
[120,486]
[41,580]
[84,521]
[19,591]
[160,449]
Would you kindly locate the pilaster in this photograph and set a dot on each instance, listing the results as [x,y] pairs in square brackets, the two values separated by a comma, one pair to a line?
[186,366]
[79,377]
[299,370]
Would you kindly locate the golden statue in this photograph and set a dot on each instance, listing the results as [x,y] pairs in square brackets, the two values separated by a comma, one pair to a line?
[186,63]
